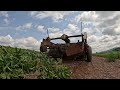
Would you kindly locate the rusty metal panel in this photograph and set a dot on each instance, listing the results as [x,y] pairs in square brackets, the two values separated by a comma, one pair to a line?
[74,49]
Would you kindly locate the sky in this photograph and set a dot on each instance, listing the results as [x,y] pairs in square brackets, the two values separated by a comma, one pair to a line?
[26,29]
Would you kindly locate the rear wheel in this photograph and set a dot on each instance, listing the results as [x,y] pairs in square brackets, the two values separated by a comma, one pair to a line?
[89,54]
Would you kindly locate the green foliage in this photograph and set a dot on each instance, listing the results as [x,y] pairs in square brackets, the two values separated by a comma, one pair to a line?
[110,56]
[50,69]
[15,63]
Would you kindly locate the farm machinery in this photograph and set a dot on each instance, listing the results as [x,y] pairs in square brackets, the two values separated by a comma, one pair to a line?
[79,50]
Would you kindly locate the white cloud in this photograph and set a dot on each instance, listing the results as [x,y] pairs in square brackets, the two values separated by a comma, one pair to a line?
[32,13]
[27,25]
[107,38]
[4,14]
[6,21]
[86,16]
[53,29]
[117,29]
[106,15]
[72,26]
[102,27]
[26,43]
[71,29]
[105,34]
[109,22]
[55,34]
[6,40]
[67,32]
[92,38]
[54,15]
[105,42]
[92,31]
[24,27]
[40,28]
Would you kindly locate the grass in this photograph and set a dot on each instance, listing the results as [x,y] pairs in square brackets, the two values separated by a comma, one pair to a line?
[110,56]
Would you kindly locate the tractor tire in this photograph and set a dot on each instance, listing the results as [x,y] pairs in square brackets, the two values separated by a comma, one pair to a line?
[89,54]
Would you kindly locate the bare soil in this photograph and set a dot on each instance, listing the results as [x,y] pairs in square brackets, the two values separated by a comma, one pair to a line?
[99,68]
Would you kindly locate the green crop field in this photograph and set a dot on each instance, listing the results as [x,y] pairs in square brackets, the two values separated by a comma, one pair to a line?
[110,56]
[15,63]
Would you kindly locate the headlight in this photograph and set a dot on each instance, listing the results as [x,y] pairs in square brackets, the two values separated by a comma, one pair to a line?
[48,49]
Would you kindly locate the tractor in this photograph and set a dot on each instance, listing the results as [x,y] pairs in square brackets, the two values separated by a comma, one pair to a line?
[79,50]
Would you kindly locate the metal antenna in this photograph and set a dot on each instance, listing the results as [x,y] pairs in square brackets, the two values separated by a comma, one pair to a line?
[47,32]
[81,33]
[81,27]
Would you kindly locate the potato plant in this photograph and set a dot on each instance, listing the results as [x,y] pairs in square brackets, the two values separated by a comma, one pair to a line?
[15,63]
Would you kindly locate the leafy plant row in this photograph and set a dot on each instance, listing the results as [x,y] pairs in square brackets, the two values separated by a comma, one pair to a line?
[110,56]
[15,63]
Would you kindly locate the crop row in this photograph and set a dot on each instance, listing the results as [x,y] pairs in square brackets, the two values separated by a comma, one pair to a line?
[15,63]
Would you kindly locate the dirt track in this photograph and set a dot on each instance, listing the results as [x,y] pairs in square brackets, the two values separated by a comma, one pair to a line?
[98,69]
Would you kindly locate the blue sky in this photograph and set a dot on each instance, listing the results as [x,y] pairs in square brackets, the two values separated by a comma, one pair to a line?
[17,18]
[26,29]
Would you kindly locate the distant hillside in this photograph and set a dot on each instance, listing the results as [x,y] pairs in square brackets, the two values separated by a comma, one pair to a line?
[111,54]
[116,49]
[111,50]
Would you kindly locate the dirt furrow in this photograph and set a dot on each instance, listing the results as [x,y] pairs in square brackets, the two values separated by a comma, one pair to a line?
[98,69]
